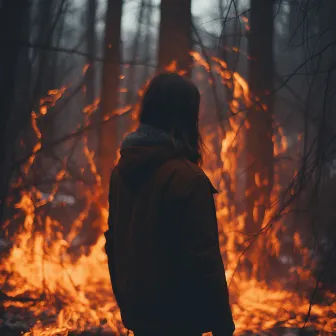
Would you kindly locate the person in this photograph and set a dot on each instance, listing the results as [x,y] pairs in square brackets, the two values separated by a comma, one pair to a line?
[162,242]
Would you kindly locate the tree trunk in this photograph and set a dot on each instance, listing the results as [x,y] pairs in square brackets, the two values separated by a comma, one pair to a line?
[50,18]
[135,52]
[132,78]
[91,50]
[12,19]
[108,137]
[146,44]
[260,131]
[175,34]
[45,71]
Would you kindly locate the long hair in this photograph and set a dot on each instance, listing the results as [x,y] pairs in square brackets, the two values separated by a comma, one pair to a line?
[171,103]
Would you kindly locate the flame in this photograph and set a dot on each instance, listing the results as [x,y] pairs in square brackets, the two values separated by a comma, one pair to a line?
[69,287]
[246,20]
[89,109]
[51,99]
[85,68]
[172,66]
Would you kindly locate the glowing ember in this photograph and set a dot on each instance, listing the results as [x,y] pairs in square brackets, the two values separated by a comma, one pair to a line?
[85,68]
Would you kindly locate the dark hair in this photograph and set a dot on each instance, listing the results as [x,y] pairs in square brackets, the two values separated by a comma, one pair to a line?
[171,103]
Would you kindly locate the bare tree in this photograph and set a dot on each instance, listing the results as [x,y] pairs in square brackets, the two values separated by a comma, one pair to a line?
[50,20]
[108,137]
[175,34]
[132,71]
[46,71]
[135,52]
[147,40]
[259,117]
[12,19]
[91,10]
[259,130]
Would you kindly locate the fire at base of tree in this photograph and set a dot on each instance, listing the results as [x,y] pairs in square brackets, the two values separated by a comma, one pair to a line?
[265,70]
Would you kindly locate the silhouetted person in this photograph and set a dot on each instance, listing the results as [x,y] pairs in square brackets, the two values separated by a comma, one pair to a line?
[162,244]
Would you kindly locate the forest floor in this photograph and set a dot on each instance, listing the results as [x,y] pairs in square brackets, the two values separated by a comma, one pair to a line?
[7,330]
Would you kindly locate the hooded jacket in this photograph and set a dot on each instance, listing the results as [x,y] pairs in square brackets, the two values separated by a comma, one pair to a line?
[162,243]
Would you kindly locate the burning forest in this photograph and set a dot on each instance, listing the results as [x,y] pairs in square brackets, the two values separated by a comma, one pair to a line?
[265,70]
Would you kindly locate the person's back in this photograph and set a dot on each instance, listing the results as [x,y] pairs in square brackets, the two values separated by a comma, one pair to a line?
[162,243]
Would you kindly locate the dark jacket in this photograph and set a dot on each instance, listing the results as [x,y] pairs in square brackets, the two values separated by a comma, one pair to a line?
[162,244]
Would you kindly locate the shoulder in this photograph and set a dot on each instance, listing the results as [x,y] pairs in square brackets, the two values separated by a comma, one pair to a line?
[184,166]
[186,175]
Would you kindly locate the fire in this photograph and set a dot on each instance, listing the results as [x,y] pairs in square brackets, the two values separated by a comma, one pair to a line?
[245,20]
[85,68]
[89,109]
[51,99]
[67,287]
[172,66]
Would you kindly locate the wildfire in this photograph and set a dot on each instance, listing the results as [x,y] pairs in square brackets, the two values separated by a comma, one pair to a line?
[66,291]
